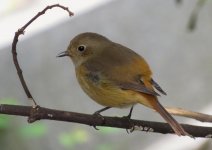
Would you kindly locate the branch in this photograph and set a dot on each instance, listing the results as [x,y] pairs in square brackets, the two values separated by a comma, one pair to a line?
[189,114]
[15,41]
[94,120]
[194,15]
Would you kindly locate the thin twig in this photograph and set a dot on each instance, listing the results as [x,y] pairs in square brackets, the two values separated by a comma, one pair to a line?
[194,15]
[14,51]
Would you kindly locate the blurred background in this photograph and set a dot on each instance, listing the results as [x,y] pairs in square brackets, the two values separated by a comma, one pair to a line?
[174,36]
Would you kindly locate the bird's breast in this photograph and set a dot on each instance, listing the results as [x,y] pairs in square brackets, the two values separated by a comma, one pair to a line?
[103,90]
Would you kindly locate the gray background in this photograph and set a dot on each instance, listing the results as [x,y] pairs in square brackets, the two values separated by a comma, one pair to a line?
[180,60]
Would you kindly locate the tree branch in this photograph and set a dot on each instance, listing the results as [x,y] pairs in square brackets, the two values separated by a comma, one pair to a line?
[15,41]
[40,113]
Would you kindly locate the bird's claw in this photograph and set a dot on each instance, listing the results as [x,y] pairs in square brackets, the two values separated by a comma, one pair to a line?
[95,127]
[97,114]
[131,127]
[130,130]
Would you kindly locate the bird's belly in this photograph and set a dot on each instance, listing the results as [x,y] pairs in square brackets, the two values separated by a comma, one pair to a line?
[108,94]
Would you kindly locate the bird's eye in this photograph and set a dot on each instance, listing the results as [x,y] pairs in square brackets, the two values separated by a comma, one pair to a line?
[81,48]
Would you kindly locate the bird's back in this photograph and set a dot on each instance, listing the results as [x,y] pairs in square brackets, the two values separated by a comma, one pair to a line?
[119,63]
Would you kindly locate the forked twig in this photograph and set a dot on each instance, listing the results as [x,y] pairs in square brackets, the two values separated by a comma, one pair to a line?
[14,50]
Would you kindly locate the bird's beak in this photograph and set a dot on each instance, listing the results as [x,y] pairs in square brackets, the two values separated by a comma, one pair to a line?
[62,54]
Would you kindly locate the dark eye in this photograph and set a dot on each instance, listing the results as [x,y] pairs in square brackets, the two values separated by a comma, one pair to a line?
[81,48]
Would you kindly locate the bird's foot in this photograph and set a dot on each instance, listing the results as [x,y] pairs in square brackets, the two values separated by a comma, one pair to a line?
[98,115]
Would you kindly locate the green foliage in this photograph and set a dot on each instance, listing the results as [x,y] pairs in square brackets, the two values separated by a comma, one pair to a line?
[105,147]
[5,119]
[108,130]
[71,139]
[76,137]
[34,130]
[8,101]
[4,122]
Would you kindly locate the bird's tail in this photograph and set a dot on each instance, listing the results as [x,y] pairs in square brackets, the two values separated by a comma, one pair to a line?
[154,103]
[178,129]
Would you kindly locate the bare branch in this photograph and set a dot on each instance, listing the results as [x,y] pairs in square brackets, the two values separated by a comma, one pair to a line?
[15,41]
[194,15]
[94,120]
[189,114]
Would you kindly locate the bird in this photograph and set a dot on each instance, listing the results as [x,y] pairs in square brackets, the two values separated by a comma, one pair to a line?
[116,76]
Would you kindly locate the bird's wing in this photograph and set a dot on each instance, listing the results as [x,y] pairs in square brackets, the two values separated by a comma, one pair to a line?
[124,68]
[126,84]
[157,86]
[139,87]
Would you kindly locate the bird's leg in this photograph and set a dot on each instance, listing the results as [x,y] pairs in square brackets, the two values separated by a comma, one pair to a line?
[101,110]
[130,114]
[97,113]
[128,117]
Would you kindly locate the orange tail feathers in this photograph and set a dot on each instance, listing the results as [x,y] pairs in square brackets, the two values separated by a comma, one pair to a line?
[178,129]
